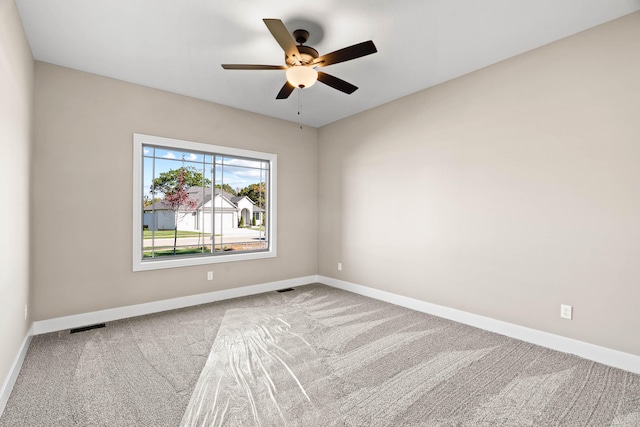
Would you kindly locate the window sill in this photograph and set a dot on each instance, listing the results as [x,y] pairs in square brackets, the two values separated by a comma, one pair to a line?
[157,264]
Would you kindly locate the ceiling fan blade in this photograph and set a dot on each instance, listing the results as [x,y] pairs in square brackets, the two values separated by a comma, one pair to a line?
[285,91]
[252,67]
[336,83]
[346,54]
[284,38]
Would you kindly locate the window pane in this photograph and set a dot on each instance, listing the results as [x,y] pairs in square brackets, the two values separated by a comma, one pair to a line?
[198,204]
[241,185]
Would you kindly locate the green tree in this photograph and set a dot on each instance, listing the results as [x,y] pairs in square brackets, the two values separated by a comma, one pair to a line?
[255,192]
[167,182]
[227,188]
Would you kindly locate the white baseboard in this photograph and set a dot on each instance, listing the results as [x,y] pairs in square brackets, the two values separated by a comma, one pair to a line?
[593,352]
[606,356]
[14,371]
[84,319]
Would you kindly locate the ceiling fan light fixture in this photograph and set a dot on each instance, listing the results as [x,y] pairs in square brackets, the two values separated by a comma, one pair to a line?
[301,61]
[301,76]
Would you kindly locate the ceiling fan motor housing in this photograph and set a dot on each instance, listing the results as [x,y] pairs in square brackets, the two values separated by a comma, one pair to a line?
[307,55]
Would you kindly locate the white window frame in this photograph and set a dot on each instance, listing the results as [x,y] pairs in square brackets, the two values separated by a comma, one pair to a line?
[158,263]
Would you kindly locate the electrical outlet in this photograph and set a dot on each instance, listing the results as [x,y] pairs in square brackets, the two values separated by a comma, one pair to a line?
[566,311]
[26,311]
[339,266]
[209,275]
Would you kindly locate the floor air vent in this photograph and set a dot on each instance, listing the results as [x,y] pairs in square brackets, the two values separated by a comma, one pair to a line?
[285,290]
[87,328]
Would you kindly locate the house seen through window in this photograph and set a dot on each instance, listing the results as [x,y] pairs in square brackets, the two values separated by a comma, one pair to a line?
[198,203]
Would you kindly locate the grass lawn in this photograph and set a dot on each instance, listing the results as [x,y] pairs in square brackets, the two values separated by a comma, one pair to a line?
[253,246]
[179,251]
[165,234]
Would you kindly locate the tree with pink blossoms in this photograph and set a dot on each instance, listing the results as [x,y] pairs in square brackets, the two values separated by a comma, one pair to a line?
[176,199]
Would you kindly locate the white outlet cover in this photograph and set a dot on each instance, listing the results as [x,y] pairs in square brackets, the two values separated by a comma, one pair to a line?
[566,311]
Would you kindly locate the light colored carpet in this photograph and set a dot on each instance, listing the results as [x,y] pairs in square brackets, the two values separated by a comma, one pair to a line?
[316,356]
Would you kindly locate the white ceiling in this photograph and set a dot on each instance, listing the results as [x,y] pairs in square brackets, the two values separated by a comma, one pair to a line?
[178,45]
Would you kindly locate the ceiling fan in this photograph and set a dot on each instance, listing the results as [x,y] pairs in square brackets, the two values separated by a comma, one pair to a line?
[301,61]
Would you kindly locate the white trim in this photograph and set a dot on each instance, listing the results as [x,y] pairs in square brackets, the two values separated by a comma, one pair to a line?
[607,356]
[84,319]
[618,359]
[203,260]
[10,381]
[138,263]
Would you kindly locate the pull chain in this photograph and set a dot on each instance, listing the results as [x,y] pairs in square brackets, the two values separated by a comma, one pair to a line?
[299,106]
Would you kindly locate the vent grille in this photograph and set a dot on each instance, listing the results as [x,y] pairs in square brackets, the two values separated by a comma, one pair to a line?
[87,328]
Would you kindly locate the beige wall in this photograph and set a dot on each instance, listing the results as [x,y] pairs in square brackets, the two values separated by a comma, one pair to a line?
[82,191]
[16,105]
[504,193]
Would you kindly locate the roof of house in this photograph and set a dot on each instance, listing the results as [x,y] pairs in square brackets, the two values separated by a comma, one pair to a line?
[201,195]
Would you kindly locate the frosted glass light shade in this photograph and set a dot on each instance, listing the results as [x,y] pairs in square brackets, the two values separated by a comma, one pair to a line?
[301,76]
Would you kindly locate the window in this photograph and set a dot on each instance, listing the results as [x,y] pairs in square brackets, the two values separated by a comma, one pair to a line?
[198,204]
